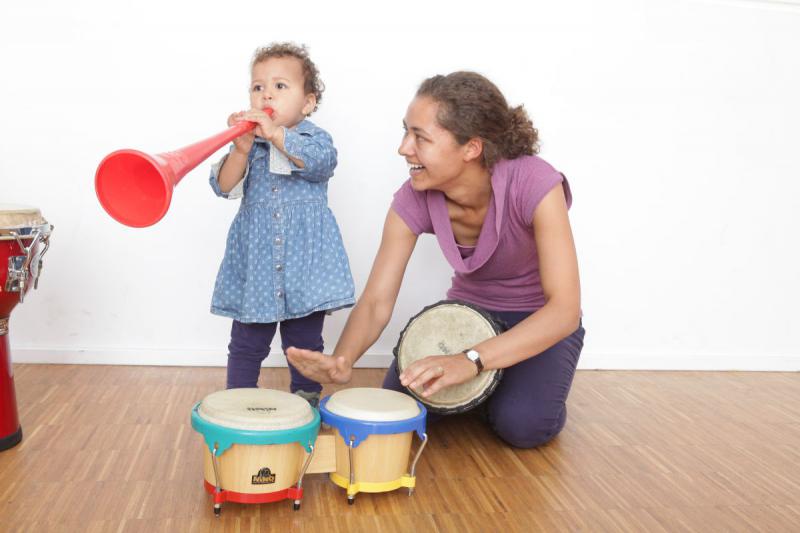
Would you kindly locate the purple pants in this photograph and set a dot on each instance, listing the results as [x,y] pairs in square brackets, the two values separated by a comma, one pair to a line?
[528,407]
[250,345]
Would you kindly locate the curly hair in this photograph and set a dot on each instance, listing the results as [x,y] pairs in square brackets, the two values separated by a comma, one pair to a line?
[472,106]
[313,84]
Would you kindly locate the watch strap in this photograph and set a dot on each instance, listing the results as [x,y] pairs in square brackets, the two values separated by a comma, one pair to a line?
[477,360]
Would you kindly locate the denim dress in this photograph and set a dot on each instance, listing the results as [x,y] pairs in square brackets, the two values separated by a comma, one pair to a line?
[284,256]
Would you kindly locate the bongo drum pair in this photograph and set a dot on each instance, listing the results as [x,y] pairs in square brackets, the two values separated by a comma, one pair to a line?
[259,443]
[24,239]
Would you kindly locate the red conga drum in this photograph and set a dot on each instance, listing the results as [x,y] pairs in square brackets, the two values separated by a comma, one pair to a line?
[24,239]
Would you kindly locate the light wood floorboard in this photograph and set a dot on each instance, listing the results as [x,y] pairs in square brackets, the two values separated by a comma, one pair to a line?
[110,448]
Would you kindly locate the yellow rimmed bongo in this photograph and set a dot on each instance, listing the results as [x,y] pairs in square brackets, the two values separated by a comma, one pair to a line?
[374,429]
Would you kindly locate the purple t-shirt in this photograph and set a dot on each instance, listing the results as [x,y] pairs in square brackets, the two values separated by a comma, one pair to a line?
[502,273]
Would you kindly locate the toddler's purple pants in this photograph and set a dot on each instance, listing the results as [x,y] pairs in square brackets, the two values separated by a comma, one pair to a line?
[250,345]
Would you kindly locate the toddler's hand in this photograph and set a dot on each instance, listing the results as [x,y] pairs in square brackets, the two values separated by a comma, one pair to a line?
[243,143]
[266,128]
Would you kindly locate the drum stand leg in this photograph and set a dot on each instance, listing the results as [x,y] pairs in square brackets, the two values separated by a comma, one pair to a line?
[416,458]
[351,498]
[217,483]
[302,473]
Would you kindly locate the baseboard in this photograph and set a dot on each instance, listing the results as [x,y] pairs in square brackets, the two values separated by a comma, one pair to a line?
[153,357]
[589,361]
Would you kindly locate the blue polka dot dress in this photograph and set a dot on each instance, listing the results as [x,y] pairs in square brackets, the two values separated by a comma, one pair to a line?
[284,256]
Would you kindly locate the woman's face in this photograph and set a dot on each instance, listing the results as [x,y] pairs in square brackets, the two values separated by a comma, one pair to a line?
[433,155]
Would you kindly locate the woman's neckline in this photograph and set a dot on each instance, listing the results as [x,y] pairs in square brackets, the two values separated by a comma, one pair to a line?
[489,233]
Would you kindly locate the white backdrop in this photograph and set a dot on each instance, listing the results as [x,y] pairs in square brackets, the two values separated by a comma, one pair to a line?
[675,121]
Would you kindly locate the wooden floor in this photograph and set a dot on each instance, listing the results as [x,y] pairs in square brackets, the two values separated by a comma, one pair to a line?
[111,449]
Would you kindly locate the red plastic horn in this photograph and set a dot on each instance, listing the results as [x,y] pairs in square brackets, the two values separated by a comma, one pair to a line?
[135,188]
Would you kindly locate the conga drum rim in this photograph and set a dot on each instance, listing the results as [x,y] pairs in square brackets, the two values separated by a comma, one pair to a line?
[483,385]
[359,429]
[21,221]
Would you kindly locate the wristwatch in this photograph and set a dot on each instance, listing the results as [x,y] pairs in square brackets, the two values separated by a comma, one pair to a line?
[475,357]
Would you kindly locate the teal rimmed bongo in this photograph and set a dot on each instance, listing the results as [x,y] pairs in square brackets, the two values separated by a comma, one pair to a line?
[258,444]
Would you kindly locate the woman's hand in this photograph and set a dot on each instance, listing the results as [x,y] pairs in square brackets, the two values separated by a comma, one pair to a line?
[320,367]
[430,375]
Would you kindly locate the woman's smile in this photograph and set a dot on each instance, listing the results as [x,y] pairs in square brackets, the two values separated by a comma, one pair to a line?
[415,169]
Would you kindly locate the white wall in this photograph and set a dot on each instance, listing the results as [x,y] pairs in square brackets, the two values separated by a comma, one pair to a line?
[676,122]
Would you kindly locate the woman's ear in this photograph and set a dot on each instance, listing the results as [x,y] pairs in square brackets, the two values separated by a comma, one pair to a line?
[473,149]
[311,103]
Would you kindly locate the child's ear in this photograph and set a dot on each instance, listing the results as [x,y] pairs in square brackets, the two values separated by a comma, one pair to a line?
[311,103]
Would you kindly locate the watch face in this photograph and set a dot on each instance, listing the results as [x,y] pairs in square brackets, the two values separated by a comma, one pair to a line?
[472,355]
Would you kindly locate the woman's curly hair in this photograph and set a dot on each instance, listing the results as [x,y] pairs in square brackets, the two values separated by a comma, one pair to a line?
[313,84]
[472,106]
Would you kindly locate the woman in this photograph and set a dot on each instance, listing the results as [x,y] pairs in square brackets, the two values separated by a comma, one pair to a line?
[499,213]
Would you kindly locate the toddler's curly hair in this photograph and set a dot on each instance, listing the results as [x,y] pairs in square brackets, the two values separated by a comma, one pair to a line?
[313,84]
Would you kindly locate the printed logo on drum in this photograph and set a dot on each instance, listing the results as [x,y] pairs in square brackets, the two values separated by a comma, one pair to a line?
[264,477]
[262,409]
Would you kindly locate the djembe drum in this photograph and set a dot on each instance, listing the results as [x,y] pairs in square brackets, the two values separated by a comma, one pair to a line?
[447,328]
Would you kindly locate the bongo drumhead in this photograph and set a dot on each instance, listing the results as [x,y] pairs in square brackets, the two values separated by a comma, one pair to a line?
[20,216]
[446,328]
[373,405]
[255,409]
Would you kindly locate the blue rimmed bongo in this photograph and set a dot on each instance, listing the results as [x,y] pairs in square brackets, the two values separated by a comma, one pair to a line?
[258,444]
[374,432]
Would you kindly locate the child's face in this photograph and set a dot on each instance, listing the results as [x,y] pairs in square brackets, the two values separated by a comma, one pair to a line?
[278,83]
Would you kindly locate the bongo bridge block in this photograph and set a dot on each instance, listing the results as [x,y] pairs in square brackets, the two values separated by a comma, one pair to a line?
[324,460]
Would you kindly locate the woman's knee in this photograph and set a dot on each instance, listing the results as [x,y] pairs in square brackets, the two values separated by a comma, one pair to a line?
[528,432]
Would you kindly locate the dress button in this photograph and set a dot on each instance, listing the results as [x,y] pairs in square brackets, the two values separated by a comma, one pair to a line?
[280,294]
[278,240]
[274,189]
[278,267]
[277,215]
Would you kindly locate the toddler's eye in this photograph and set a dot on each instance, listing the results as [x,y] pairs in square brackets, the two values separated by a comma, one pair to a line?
[280,85]
[257,88]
